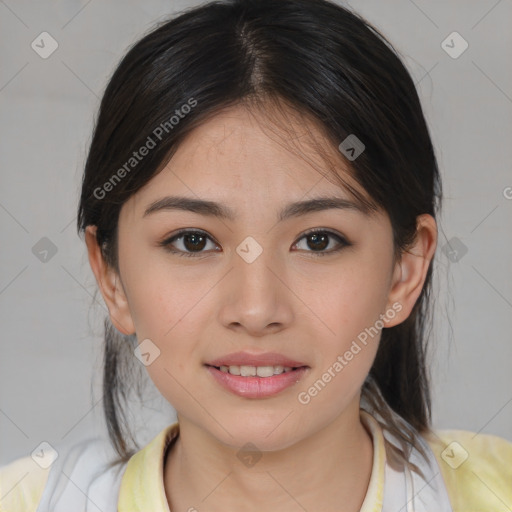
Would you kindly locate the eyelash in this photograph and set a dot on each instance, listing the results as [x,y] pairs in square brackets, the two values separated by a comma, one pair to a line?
[166,244]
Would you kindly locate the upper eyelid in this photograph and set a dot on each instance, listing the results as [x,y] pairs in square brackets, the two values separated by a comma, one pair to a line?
[187,231]
[310,231]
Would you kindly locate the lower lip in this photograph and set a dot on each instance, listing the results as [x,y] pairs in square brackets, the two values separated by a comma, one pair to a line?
[257,387]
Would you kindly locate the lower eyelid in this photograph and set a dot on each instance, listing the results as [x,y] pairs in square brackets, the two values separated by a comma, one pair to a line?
[332,235]
[342,242]
[167,243]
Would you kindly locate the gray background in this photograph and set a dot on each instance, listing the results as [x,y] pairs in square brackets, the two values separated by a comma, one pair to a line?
[51,342]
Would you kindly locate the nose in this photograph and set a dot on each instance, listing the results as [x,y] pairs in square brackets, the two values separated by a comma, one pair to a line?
[256,298]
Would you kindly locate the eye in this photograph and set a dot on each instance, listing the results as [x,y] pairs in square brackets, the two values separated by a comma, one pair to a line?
[319,240]
[191,242]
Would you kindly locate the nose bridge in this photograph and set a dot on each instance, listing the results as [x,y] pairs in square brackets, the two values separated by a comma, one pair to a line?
[255,265]
[256,298]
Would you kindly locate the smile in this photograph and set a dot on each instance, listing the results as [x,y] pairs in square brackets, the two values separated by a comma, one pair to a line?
[255,371]
[256,381]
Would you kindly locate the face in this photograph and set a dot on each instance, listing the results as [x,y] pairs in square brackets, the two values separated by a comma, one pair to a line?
[202,287]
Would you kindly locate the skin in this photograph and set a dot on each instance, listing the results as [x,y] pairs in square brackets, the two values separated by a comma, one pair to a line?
[310,308]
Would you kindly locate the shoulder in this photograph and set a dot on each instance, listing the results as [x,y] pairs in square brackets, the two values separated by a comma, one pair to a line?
[65,479]
[21,485]
[476,468]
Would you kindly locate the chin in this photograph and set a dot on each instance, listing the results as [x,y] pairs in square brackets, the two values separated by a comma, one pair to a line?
[266,434]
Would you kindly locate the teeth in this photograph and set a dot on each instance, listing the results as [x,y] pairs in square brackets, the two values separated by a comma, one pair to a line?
[278,369]
[265,371]
[253,371]
[234,370]
[248,371]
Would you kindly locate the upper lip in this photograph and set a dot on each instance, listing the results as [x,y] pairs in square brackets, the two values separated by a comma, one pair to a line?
[248,359]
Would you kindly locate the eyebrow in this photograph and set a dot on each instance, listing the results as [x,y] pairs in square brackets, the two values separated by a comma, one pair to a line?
[213,209]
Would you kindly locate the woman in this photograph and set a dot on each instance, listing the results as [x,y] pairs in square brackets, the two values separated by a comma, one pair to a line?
[259,206]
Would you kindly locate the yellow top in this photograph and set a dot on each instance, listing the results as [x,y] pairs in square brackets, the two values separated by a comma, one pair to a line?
[476,470]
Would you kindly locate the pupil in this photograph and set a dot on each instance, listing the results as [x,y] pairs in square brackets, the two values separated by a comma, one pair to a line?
[316,237]
[193,245]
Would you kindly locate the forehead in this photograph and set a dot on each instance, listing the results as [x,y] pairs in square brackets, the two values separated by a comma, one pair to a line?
[248,154]
[258,143]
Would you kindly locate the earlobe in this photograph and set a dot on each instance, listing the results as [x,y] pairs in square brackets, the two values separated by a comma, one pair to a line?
[411,271]
[110,285]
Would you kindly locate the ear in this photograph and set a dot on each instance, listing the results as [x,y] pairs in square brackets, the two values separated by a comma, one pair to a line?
[110,285]
[410,272]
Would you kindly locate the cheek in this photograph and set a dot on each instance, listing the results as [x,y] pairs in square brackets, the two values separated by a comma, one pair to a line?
[172,307]
[347,301]
[167,308]
[349,306]
[160,293]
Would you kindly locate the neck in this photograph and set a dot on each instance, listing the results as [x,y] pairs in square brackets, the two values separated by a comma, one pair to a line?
[330,470]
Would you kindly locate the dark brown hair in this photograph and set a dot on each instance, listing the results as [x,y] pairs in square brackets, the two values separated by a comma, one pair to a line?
[320,60]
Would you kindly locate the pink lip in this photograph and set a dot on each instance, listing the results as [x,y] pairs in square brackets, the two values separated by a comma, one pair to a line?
[257,387]
[248,359]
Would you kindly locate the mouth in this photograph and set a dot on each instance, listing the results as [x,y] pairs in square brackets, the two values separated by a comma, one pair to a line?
[256,381]
[256,371]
